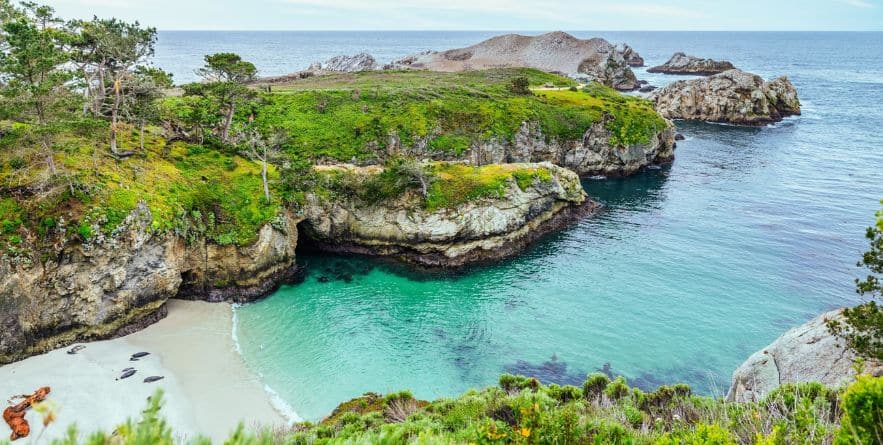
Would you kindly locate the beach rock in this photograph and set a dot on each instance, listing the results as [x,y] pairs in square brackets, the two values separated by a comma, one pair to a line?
[681,63]
[807,353]
[117,283]
[595,59]
[593,154]
[733,96]
[346,64]
[647,88]
[474,232]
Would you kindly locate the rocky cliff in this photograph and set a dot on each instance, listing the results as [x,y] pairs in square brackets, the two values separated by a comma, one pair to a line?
[476,231]
[593,154]
[595,59]
[733,96]
[681,63]
[807,353]
[114,284]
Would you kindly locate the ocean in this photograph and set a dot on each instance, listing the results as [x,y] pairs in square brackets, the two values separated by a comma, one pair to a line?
[687,271]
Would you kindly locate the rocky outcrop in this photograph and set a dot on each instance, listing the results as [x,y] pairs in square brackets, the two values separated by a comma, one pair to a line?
[681,63]
[631,57]
[733,96]
[345,64]
[477,231]
[593,154]
[113,285]
[595,59]
[808,353]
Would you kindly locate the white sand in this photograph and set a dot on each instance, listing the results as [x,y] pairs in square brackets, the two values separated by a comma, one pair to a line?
[208,389]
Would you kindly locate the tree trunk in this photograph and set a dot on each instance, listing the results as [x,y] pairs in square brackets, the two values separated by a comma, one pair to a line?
[114,117]
[228,122]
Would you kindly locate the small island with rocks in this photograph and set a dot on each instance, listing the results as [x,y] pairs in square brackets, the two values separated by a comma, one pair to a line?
[681,63]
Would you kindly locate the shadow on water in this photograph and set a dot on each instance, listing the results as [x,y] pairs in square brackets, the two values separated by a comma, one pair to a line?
[557,371]
[642,191]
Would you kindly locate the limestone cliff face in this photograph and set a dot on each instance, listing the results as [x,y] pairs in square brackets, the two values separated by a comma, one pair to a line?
[113,285]
[807,353]
[478,231]
[594,154]
[733,96]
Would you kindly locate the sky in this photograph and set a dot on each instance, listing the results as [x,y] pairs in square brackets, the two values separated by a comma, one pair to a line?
[523,15]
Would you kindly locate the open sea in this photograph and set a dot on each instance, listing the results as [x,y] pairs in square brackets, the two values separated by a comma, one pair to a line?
[687,271]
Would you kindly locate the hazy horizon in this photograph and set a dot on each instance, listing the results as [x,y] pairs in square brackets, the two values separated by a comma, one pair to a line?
[485,15]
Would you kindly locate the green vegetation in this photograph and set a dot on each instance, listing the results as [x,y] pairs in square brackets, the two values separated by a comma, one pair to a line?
[442,185]
[523,411]
[355,116]
[863,329]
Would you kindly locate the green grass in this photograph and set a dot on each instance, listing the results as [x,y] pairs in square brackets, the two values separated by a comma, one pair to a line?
[189,189]
[523,411]
[451,184]
[349,117]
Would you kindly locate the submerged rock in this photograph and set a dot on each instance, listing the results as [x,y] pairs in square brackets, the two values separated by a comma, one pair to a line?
[596,58]
[681,63]
[118,283]
[807,353]
[476,231]
[733,96]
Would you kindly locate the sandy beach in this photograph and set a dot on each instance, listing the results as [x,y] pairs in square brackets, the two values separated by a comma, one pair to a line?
[208,389]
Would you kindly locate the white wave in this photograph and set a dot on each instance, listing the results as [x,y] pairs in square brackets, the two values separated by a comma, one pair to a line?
[282,407]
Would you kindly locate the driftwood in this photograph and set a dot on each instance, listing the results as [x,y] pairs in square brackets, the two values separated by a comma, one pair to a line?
[14,416]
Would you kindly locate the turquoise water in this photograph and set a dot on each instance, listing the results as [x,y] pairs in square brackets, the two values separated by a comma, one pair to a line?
[686,272]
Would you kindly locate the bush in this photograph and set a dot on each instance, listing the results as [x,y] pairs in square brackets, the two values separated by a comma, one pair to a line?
[521,86]
[617,389]
[702,435]
[515,383]
[862,421]
[595,385]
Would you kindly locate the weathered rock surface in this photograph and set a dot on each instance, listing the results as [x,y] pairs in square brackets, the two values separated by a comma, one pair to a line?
[632,58]
[733,96]
[596,59]
[681,63]
[114,285]
[346,64]
[593,154]
[808,353]
[478,231]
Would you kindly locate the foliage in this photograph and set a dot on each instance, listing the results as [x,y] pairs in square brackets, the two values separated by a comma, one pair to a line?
[364,116]
[523,411]
[863,327]
[862,421]
[224,81]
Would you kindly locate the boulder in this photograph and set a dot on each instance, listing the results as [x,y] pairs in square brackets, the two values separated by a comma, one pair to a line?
[681,63]
[596,58]
[733,96]
[477,231]
[807,353]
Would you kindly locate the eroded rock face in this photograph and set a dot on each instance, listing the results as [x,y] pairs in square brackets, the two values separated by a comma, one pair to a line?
[114,285]
[595,58]
[632,58]
[346,64]
[594,154]
[808,353]
[733,96]
[681,63]
[479,231]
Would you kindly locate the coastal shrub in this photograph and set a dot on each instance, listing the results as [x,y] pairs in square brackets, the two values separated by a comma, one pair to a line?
[520,85]
[863,326]
[862,404]
[617,389]
[595,385]
[515,383]
[703,434]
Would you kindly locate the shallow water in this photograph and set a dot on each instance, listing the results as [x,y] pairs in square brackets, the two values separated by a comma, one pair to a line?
[687,271]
